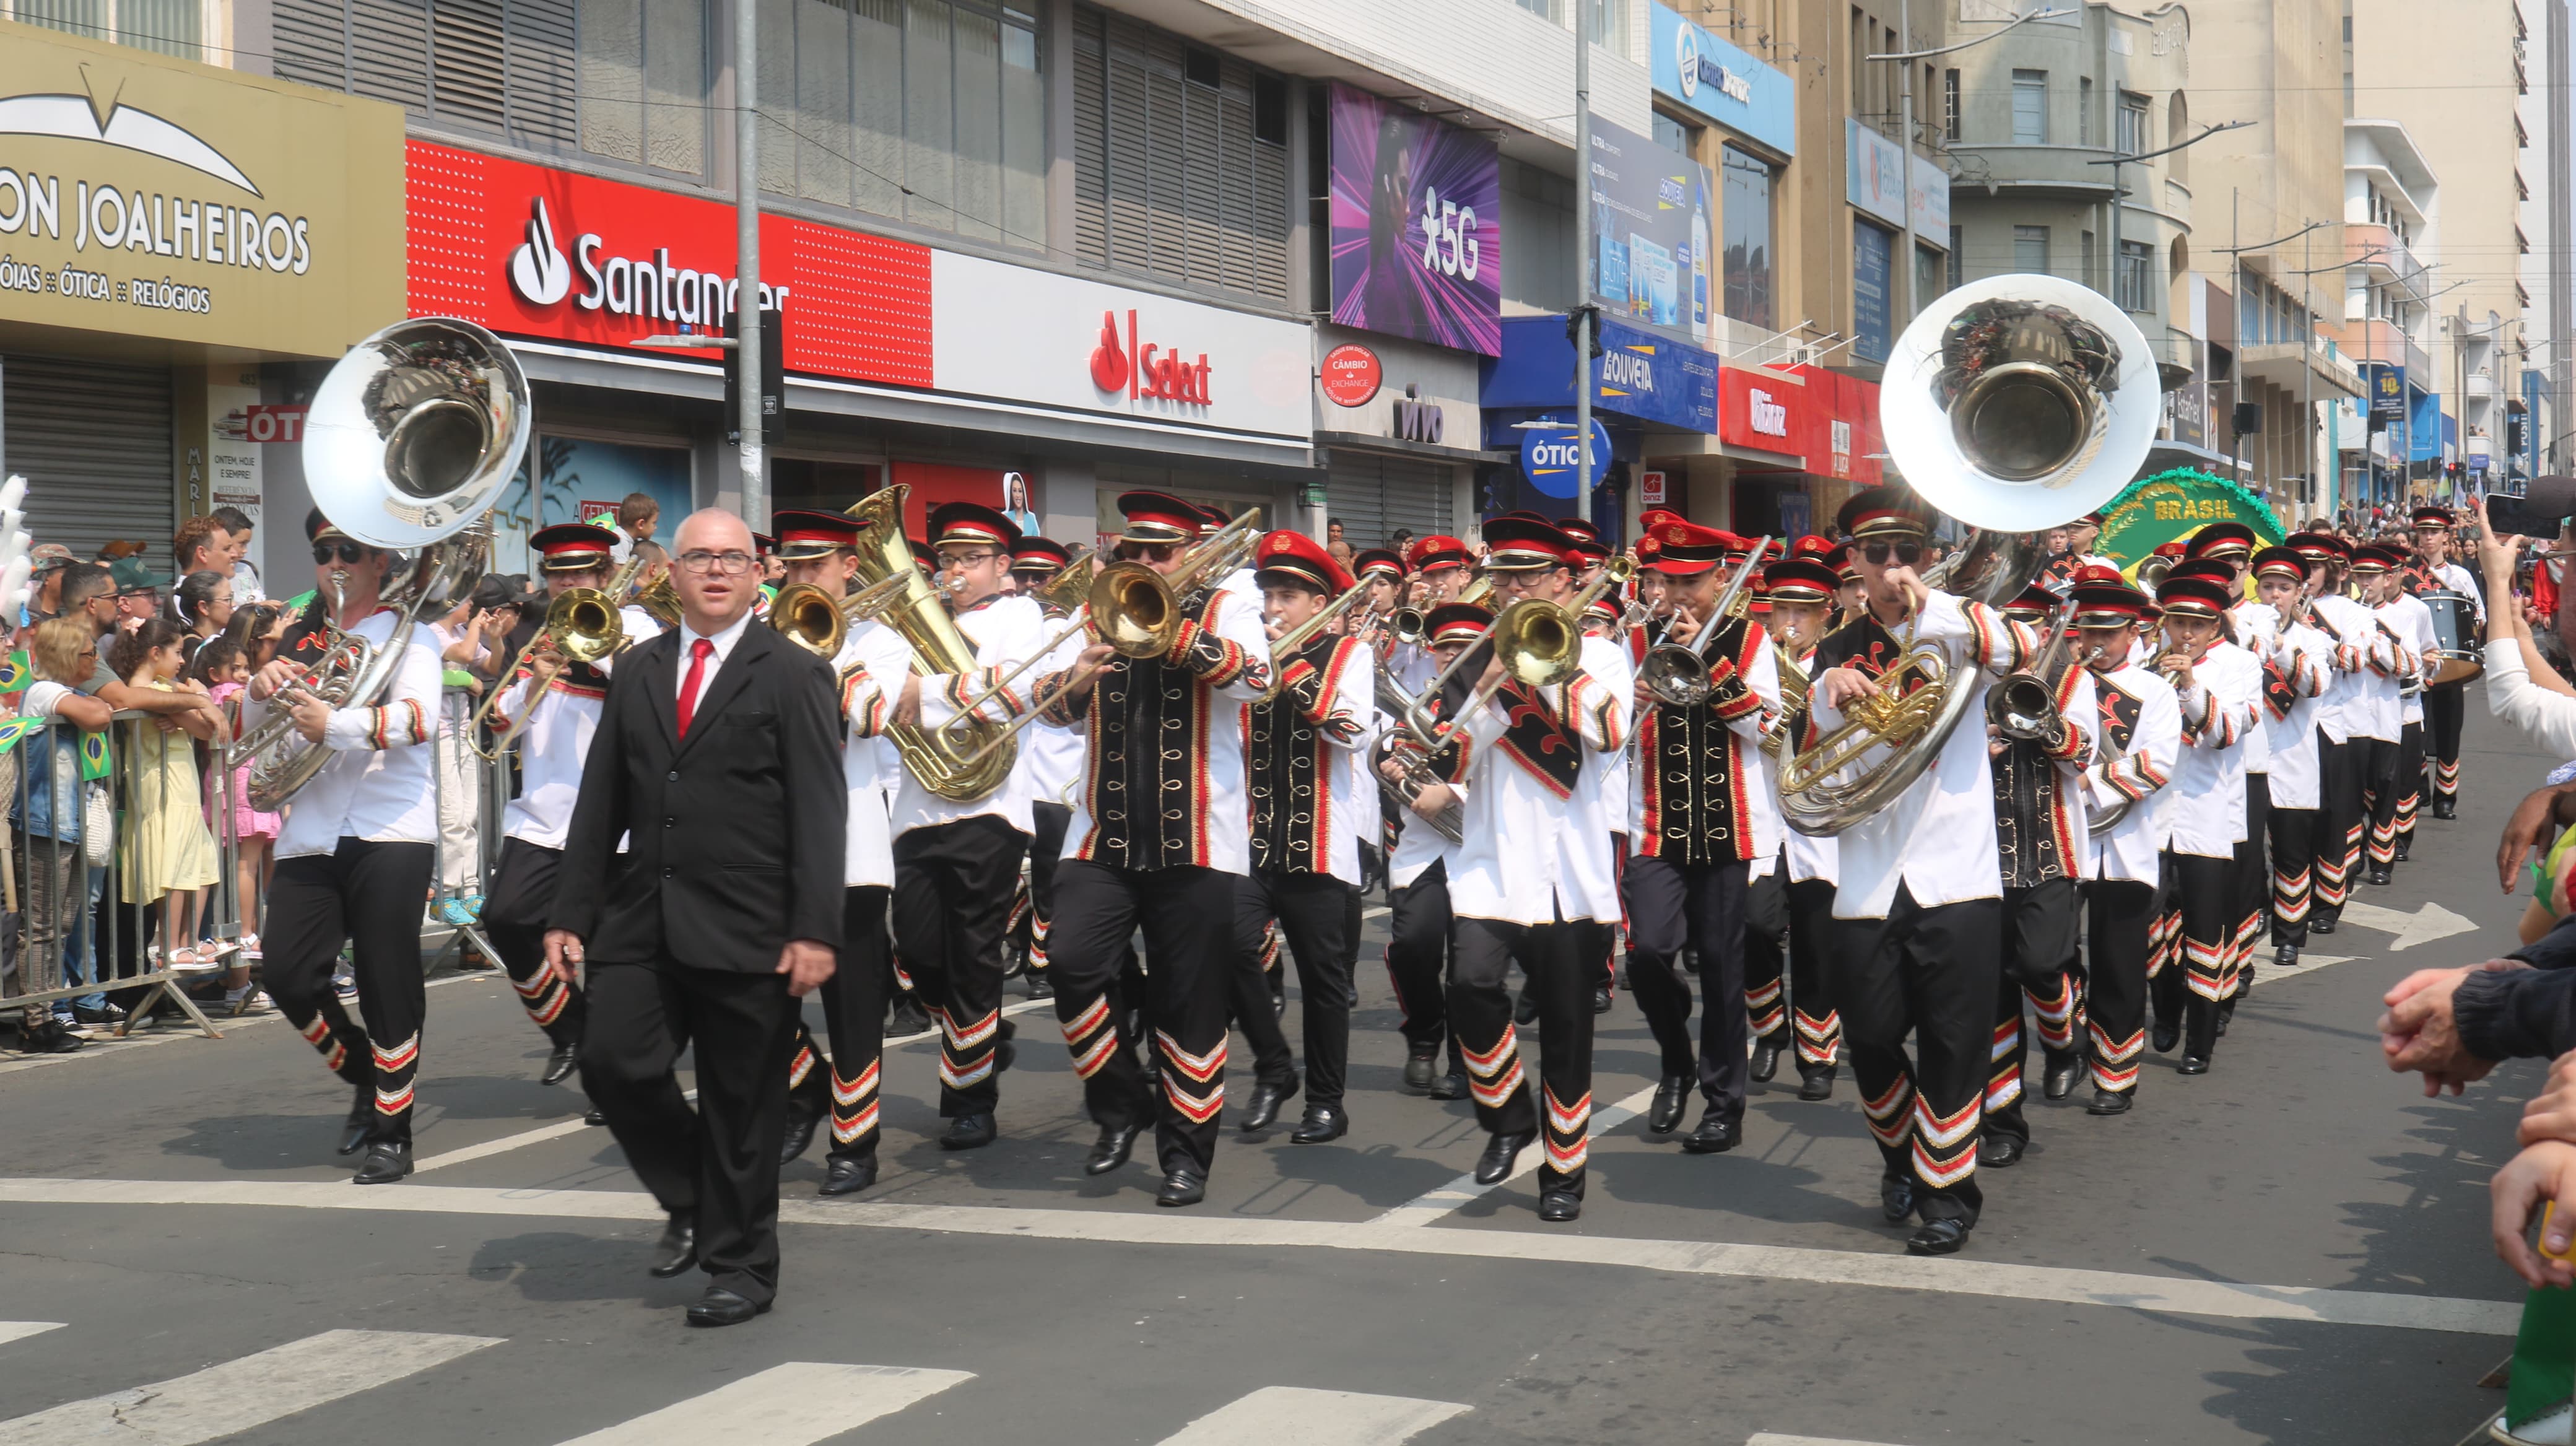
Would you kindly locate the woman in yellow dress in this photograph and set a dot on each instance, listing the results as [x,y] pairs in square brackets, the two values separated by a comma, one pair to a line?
[167,852]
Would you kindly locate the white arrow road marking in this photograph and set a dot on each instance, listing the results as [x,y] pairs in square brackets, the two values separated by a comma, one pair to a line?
[19,1330]
[796,1404]
[2426,924]
[1293,1416]
[1424,1208]
[243,1394]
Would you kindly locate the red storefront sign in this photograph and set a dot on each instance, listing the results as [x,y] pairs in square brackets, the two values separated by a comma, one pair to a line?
[1827,420]
[1350,375]
[531,251]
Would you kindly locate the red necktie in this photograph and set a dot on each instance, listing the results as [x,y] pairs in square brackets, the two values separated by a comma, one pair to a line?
[698,652]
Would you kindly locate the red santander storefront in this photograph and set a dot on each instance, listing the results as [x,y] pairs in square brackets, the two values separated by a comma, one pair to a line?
[905,362]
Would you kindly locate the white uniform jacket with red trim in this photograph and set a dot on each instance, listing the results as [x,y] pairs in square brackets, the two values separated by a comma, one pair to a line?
[556,739]
[1006,630]
[2412,624]
[873,663]
[2204,810]
[1537,846]
[2137,738]
[377,784]
[2040,808]
[2298,669]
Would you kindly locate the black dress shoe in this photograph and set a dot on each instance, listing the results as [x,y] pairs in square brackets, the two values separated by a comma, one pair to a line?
[721,1307]
[2226,1012]
[910,1017]
[561,1063]
[968,1132]
[1816,1083]
[594,1116]
[2380,875]
[1183,1186]
[1600,1005]
[1714,1136]
[1495,1165]
[2404,847]
[2286,957]
[848,1174]
[1558,1204]
[805,1112]
[1110,1150]
[1937,1237]
[2321,923]
[2164,1037]
[1421,1066]
[1766,1059]
[2193,1064]
[1040,987]
[1672,1093]
[1322,1123]
[1450,1086]
[677,1250]
[1896,1198]
[2445,808]
[1525,1011]
[360,1123]
[2110,1102]
[2000,1152]
[1263,1110]
[2057,1081]
[386,1162]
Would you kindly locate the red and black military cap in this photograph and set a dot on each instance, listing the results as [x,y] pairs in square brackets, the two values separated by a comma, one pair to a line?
[1212,519]
[2032,604]
[1157,517]
[969,524]
[2317,546]
[2194,597]
[1293,558]
[573,546]
[1844,559]
[2280,562]
[1458,622]
[1517,544]
[1523,514]
[803,534]
[762,544]
[2221,539]
[1882,511]
[1579,530]
[1686,549]
[1437,553]
[1801,579]
[2215,569]
[317,527]
[1039,556]
[2104,599]
[2373,559]
[1378,560]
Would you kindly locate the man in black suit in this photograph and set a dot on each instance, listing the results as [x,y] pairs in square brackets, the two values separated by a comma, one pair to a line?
[718,760]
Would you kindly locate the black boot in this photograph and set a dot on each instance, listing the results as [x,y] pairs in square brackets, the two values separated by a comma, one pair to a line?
[361,1121]
[1815,1081]
[2200,1035]
[1421,1065]
[1502,1151]
[561,1063]
[1766,1058]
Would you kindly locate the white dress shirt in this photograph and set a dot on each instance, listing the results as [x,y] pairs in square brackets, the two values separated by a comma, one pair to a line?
[873,663]
[555,742]
[377,785]
[2305,661]
[724,642]
[2412,622]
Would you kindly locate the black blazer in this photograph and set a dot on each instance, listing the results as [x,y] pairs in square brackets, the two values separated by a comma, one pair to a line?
[737,833]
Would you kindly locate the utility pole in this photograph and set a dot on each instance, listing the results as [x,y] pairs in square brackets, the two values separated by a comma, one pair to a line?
[1586,11]
[747,321]
[1905,141]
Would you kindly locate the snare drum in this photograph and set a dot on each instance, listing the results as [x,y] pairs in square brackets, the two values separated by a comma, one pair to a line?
[2455,657]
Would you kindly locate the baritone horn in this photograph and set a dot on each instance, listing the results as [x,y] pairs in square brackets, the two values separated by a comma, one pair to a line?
[2013,404]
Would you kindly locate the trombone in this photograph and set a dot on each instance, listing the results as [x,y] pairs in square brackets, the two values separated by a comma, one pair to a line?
[1539,644]
[1288,644]
[1677,673]
[583,624]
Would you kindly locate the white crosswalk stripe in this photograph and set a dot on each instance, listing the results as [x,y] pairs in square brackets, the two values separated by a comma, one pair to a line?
[1295,1416]
[796,1404]
[242,1394]
[1774,1438]
[19,1330]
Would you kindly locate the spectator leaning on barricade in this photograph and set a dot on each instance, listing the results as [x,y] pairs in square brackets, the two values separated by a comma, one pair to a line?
[225,665]
[46,806]
[166,854]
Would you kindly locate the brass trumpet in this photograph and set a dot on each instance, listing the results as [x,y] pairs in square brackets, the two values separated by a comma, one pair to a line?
[818,622]
[583,625]
[1539,643]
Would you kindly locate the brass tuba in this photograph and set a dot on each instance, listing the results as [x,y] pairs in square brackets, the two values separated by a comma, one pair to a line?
[2014,404]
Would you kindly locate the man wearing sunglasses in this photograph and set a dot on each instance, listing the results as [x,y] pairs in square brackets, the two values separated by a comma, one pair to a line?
[1920,941]
[355,856]
[1161,838]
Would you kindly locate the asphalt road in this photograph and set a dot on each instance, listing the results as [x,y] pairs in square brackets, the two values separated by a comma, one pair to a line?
[2290,1249]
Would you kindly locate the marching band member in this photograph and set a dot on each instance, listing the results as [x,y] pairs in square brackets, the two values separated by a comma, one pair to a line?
[1054,760]
[1305,852]
[1383,573]
[2390,667]
[1534,867]
[2222,551]
[1170,868]
[2134,759]
[2412,623]
[1600,619]
[1803,586]
[819,549]
[355,855]
[1920,902]
[2297,670]
[2040,821]
[2218,687]
[2444,703]
[557,702]
[1694,837]
[1421,936]
[2344,714]
[955,861]
[1440,573]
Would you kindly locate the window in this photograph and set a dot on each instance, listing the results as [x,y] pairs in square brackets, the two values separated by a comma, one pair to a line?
[2030,107]
[2137,264]
[2132,138]
[1958,251]
[2084,255]
[1672,135]
[171,27]
[2084,110]
[1950,106]
[1927,275]
[1744,210]
[1175,179]
[1609,24]
[1548,9]
[2030,248]
[510,68]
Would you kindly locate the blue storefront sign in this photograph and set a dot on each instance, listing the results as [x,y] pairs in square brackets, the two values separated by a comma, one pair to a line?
[1551,458]
[1723,83]
[1873,252]
[1639,375]
[2428,427]
[2385,383]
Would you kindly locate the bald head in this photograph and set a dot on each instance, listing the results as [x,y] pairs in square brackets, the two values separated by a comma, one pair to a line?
[714,599]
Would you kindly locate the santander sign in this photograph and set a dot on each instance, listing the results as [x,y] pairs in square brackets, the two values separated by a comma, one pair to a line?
[1146,370]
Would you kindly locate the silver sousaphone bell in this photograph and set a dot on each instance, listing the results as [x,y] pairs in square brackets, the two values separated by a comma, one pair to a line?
[416,431]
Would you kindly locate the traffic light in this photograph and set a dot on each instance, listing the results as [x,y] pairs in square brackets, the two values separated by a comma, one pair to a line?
[773,378]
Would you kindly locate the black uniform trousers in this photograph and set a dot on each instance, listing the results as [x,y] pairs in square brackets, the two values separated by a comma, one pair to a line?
[2293,836]
[1046,848]
[717,1163]
[948,880]
[1671,905]
[1480,1002]
[1932,972]
[1811,995]
[1187,915]
[2335,847]
[2200,968]
[371,895]
[2039,934]
[2409,784]
[2120,919]
[2382,787]
[1766,952]
[1421,935]
[1320,915]
[514,917]
[2443,709]
[2253,880]
[854,1011]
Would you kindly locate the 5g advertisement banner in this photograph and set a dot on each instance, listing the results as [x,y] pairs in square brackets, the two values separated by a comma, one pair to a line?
[1417,221]
[1650,229]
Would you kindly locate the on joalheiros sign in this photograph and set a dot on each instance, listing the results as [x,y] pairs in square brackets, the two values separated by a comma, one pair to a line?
[146,196]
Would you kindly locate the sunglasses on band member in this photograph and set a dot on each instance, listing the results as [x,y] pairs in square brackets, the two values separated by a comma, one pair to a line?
[351,552]
[1906,553]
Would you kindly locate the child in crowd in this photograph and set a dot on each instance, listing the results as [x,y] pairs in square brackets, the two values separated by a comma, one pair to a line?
[168,854]
[225,670]
[46,813]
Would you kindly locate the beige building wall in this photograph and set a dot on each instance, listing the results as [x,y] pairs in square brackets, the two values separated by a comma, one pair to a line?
[2456,85]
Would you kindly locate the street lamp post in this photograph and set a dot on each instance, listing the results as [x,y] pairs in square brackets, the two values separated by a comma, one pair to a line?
[747,321]
[1586,12]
